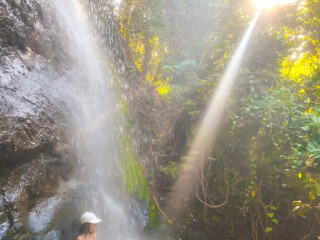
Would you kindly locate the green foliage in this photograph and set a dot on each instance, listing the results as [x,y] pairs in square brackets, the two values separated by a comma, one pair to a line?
[267,150]
[171,169]
[268,229]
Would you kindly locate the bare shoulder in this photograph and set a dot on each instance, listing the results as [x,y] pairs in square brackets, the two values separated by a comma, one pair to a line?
[95,236]
[80,238]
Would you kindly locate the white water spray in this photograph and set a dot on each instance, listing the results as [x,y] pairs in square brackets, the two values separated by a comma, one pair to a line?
[95,126]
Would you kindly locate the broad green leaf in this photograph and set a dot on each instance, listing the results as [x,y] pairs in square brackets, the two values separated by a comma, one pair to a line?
[268,229]
[270,215]
[273,208]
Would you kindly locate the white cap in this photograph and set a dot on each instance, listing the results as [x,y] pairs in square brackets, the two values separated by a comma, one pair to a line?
[89,217]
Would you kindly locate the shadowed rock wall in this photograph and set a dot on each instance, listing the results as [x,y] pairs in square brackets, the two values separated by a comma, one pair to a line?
[36,154]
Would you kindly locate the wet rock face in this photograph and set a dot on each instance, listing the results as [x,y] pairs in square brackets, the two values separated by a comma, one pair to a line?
[31,118]
[140,213]
[36,154]
[22,193]
[25,23]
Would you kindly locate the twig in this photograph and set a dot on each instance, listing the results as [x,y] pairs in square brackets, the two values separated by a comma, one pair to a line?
[159,208]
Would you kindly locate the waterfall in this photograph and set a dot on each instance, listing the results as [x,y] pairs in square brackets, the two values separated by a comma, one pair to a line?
[89,88]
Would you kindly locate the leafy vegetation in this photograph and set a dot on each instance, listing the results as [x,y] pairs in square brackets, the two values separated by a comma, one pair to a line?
[267,155]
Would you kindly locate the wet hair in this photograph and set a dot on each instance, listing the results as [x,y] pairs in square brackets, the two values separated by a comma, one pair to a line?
[84,228]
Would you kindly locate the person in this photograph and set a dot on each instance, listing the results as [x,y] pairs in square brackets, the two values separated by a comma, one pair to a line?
[88,226]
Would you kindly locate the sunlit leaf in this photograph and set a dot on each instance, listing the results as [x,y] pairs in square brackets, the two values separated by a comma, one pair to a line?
[270,215]
[268,229]
[253,193]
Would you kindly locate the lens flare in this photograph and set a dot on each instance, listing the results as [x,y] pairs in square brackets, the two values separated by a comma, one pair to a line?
[270,3]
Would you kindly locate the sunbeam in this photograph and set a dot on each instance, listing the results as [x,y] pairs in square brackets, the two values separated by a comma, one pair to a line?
[204,140]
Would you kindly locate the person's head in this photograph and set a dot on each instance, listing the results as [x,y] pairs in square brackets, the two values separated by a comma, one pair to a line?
[89,222]
[87,228]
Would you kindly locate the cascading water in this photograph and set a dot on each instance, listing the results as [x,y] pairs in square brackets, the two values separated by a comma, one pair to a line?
[95,128]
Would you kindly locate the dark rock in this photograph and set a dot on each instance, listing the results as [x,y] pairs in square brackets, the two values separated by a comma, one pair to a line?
[41,216]
[24,187]
[36,154]
[52,235]
[140,212]
[4,221]
[25,24]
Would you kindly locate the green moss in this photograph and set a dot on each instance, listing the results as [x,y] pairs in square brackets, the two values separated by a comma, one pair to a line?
[134,179]
[132,171]
[124,108]
[153,216]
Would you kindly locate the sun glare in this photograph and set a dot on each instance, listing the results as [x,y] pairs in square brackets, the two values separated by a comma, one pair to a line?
[270,3]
